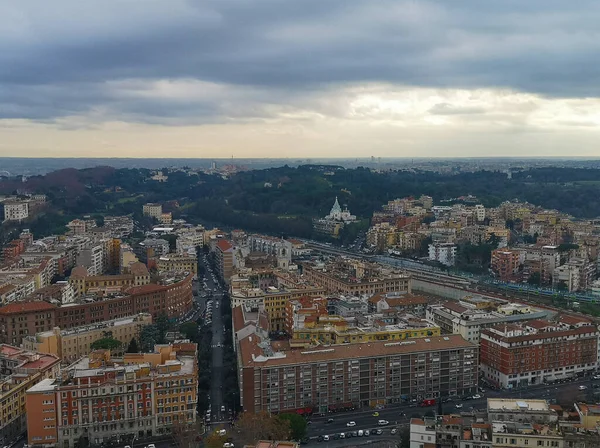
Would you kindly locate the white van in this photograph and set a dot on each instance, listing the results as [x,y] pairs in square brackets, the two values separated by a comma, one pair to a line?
[361,433]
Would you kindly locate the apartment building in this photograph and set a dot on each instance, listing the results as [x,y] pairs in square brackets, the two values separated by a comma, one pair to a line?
[152,248]
[81,226]
[444,253]
[576,275]
[355,277]
[468,320]
[74,343]
[178,262]
[21,369]
[16,210]
[21,319]
[353,375]
[172,297]
[100,399]
[92,258]
[537,352]
[506,263]
[83,282]
[152,209]
[224,257]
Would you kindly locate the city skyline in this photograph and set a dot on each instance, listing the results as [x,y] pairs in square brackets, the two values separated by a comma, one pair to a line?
[276,79]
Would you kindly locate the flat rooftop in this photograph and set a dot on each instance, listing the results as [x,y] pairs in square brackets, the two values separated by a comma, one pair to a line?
[509,404]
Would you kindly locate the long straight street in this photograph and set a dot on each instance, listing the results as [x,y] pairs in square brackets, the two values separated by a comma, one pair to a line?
[213,309]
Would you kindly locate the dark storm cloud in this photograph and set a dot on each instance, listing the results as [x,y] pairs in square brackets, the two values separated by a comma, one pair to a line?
[60,61]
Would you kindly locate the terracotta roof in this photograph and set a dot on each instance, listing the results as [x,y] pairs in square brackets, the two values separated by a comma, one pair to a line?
[138,268]
[150,287]
[248,348]
[417,421]
[539,324]
[238,318]
[79,272]
[573,320]
[224,245]
[453,306]
[26,307]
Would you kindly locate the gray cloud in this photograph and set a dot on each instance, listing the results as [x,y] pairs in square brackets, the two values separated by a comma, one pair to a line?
[59,62]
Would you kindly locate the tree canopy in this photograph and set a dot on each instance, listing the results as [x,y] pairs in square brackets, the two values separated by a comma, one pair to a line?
[107,343]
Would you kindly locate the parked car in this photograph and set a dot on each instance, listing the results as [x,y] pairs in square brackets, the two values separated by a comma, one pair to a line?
[459,406]
[228,445]
[582,387]
[378,432]
[361,433]
[393,431]
[367,433]
[326,438]
[329,420]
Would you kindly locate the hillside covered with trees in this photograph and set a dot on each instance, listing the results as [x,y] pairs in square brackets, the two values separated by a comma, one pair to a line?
[284,200]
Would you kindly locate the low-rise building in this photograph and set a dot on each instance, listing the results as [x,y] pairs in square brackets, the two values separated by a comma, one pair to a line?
[450,431]
[100,399]
[178,262]
[73,343]
[468,320]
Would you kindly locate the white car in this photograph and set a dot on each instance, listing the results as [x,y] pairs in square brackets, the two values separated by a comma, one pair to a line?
[151,445]
[326,438]
[367,433]
[476,397]
[351,424]
[222,432]
[582,387]
[361,433]
[228,445]
[383,422]
[596,377]
[459,406]
[222,407]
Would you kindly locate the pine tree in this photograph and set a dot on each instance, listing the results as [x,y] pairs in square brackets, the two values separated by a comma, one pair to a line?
[133,346]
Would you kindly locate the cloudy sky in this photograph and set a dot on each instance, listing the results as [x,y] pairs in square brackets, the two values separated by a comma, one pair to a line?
[299,78]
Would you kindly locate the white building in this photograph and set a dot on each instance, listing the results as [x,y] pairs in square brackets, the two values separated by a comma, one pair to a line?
[16,210]
[92,257]
[444,253]
[479,213]
[152,209]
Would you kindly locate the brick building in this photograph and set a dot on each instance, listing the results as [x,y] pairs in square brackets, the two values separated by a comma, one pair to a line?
[537,351]
[21,319]
[224,257]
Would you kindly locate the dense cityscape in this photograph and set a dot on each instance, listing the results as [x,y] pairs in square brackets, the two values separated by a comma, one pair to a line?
[278,224]
[435,321]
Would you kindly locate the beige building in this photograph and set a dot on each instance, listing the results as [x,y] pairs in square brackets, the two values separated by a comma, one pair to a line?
[16,210]
[152,209]
[178,262]
[74,343]
[83,282]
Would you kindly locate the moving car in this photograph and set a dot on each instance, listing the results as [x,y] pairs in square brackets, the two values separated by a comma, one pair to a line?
[582,387]
[228,445]
[375,414]
[351,424]
[378,432]
[476,397]
[459,406]
[383,422]
[222,407]
[329,420]
[393,431]
[326,438]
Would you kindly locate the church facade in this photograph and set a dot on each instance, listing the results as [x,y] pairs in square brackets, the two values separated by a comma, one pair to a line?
[334,221]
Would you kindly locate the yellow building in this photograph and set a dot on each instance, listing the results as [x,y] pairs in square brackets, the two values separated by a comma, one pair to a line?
[589,415]
[72,344]
[335,330]
[82,282]
[178,262]
[275,302]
